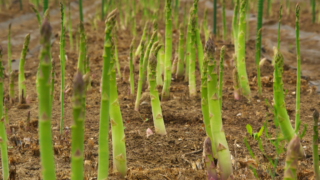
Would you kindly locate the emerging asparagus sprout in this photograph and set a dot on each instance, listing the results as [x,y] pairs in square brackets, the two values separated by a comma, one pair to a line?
[105,101]
[22,85]
[77,133]
[45,137]
[154,96]
[3,134]
[290,172]
[168,52]
[209,159]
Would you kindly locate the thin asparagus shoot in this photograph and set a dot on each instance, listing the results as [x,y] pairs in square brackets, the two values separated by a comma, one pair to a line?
[80,11]
[116,51]
[221,74]
[168,52]
[224,21]
[70,28]
[136,107]
[258,43]
[180,66]
[45,5]
[192,59]
[11,74]
[62,65]
[3,134]
[297,120]
[214,30]
[131,70]
[22,85]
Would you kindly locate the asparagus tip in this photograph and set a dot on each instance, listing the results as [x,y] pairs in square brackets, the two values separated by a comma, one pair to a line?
[46,30]
[78,83]
[210,47]
[315,115]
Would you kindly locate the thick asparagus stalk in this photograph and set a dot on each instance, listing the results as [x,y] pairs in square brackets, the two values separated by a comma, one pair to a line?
[197,32]
[118,137]
[62,64]
[22,85]
[136,107]
[293,151]
[168,52]
[242,72]
[209,160]
[218,135]
[77,133]
[192,59]
[105,102]
[221,74]
[3,134]
[116,51]
[180,66]
[315,140]
[131,70]
[154,95]
[45,137]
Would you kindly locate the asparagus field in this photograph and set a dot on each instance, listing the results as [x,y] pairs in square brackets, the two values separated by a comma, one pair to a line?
[159,89]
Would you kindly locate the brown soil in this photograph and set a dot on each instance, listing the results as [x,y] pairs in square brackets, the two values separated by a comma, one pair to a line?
[175,156]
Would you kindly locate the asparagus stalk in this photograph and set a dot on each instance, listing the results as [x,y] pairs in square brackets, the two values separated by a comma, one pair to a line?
[221,74]
[62,65]
[258,43]
[70,29]
[45,137]
[297,120]
[80,11]
[197,32]
[77,133]
[290,172]
[22,85]
[116,51]
[11,74]
[105,102]
[218,135]
[102,10]
[180,66]
[131,70]
[118,137]
[192,59]
[45,5]
[209,159]
[145,60]
[279,25]
[159,67]
[37,14]
[82,52]
[168,52]
[140,77]
[235,26]
[3,134]
[241,64]
[315,145]
[224,21]
[214,17]
[154,95]
[236,84]
[143,37]
[189,33]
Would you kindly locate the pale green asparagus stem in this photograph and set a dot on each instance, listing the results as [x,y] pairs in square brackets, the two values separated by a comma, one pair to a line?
[154,95]
[82,52]
[143,37]
[116,51]
[62,65]
[168,52]
[297,120]
[221,74]
[218,134]
[189,33]
[192,59]
[3,134]
[242,72]
[11,74]
[70,29]
[22,85]
[197,32]
[136,107]
[131,70]
[45,137]
[103,161]
[118,136]
[180,66]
